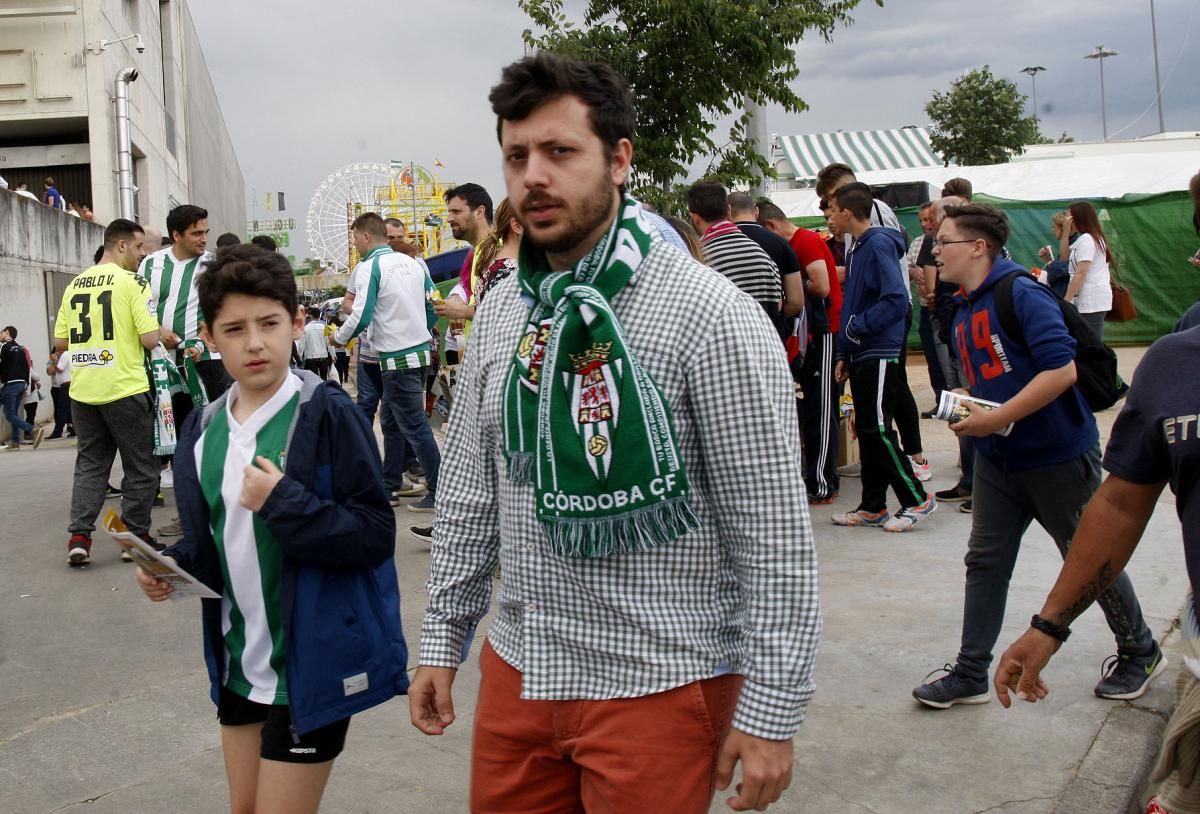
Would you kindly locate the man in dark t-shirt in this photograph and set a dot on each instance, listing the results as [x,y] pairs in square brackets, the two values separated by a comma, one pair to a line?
[1154,442]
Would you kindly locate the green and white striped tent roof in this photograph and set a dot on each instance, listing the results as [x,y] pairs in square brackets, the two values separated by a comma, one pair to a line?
[863,150]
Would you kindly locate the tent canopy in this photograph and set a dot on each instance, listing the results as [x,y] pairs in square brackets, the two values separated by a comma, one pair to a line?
[864,150]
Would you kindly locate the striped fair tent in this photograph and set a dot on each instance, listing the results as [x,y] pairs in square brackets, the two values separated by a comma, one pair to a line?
[864,150]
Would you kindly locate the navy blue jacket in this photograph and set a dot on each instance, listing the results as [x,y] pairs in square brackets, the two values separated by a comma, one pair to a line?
[998,367]
[341,598]
[874,297]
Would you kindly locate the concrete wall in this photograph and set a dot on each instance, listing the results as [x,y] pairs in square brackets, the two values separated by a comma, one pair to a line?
[36,240]
[55,90]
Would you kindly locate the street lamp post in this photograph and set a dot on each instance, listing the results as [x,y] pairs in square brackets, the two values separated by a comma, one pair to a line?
[1100,52]
[1033,71]
[1162,128]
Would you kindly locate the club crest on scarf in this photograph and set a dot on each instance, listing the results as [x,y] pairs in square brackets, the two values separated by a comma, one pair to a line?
[583,420]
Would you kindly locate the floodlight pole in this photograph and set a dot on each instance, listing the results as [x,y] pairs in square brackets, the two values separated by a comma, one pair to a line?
[1033,71]
[1100,52]
[1162,128]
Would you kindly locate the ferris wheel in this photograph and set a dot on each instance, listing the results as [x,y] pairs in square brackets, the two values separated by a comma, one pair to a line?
[404,191]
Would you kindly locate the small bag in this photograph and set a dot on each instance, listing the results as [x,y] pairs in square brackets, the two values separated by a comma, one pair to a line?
[1123,309]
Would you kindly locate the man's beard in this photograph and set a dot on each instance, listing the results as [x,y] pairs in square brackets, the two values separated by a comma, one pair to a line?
[593,211]
[459,232]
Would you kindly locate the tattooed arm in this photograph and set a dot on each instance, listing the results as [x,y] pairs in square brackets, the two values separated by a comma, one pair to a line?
[1109,531]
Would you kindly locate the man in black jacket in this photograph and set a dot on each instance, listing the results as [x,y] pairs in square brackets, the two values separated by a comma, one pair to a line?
[14,374]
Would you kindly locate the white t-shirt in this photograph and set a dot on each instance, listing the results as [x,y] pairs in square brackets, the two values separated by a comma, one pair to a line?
[453,337]
[63,370]
[1096,294]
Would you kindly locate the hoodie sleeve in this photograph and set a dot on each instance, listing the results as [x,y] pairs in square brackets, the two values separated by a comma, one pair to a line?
[891,303]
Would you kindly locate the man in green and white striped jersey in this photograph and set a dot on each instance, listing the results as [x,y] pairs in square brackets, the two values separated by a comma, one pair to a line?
[172,273]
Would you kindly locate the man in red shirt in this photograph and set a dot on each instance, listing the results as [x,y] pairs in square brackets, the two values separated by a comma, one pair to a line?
[823,302]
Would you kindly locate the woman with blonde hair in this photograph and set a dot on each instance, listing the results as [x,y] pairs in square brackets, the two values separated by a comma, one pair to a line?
[1089,259]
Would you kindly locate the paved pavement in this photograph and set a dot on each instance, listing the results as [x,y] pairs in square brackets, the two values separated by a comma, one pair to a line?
[103,697]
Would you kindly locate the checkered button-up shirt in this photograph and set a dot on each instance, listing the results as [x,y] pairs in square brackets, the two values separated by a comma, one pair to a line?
[737,595]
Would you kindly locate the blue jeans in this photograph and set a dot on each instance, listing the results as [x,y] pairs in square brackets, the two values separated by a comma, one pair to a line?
[14,394]
[404,397]
[396,451]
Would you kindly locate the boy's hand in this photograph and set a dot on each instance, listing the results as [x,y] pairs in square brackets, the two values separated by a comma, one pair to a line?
[155,588]
[980,423]
[261,477]
[430,703]
[841,372]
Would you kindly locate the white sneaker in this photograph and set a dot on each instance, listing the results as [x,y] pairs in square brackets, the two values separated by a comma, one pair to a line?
[924,472]
[906,519]
[409,488]
[166,478]
[853,470]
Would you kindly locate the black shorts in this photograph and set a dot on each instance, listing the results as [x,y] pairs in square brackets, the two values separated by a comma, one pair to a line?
[318,746]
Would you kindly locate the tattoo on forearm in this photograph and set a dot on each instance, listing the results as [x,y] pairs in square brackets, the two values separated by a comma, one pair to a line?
[1090,593]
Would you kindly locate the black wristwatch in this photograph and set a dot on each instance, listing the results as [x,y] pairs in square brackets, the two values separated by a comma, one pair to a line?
[1049,628]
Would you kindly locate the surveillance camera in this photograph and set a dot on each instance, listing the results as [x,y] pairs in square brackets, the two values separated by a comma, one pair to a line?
[141,46]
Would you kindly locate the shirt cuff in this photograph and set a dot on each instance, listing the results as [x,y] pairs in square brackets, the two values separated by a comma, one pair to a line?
[770,713]
[443,645]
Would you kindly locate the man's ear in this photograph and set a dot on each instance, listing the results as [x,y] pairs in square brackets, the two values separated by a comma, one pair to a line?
[298,323]
[621,162]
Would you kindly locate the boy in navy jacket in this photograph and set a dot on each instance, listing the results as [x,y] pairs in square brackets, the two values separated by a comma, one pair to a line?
[1046,468]
[874,305]
[307,631]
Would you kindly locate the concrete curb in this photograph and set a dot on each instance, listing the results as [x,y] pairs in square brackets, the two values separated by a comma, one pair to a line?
[1114,775]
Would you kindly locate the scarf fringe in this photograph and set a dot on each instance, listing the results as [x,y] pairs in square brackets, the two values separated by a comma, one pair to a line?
[639,530]
[520,467]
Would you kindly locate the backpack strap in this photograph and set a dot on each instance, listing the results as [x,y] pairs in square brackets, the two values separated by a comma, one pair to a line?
[1006,310]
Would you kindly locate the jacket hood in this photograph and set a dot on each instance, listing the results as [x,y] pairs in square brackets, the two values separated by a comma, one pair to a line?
[1000,269]
[881,236]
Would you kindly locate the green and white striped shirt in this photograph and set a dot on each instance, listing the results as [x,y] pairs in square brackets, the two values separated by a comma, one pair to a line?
[175,294]
[251,558]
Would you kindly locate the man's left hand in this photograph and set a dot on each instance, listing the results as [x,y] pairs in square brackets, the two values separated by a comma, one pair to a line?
[766,770]
[453,308]
[261,477]
[980,423]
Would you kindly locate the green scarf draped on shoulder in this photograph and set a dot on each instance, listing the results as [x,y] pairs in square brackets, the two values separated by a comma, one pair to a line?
[583,420]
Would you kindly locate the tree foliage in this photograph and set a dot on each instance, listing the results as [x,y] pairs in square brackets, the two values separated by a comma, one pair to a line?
[690,62]
[980,120]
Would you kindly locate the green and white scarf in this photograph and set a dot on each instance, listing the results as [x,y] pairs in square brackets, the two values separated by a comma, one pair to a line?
[583,420]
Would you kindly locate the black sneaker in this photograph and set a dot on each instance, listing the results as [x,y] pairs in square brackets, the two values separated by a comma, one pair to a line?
[111,491]
[160,499]
[155,544]
[79,549]
[965,508]
[422,533]
[952,495]
[952,688]
[1126,677]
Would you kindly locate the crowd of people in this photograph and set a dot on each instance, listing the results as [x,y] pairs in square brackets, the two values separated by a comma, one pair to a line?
[618,380]
[52,198]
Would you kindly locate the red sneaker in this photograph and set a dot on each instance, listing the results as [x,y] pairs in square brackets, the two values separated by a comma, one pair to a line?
[79,549]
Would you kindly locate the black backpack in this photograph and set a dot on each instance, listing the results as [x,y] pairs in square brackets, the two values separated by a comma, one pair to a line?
[1095,363]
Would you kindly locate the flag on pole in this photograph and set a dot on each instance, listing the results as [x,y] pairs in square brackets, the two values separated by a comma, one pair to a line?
[279,197]
[269,196]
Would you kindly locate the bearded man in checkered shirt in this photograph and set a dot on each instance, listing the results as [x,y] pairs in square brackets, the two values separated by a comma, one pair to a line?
[624,445]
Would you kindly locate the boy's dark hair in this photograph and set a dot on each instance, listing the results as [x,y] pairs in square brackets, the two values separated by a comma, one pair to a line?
[537,80]
[856,198]
[830,175]
[120,229]
[228,239]
[475,196]
[248,270]
[48,181]
[981,221]
[181,218]
[313,312]
[769,211]
[708,200]
[264,242]
[371,223]
[958,187]
[99,254]
[12,332]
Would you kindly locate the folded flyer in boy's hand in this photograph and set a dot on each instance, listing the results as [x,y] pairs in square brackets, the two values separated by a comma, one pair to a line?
[951,408]
[155,564]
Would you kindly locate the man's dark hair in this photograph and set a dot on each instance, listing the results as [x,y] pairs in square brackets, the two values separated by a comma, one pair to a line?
[371,223]
[12,332]
[856,198]
[228,239]
[264,242]
[166,241]
[98,255]
[981,221]
[740,202]
[120,229]
[247,270]
[958,187]
[924,206]
[708,200]
[48,181]
[545,77]
[397,222]
[313,312]
[769,211]
[181,218]
[829,177]
[475,196]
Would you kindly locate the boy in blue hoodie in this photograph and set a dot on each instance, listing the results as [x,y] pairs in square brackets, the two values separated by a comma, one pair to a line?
[874,305]
[281,498]
[1045,469]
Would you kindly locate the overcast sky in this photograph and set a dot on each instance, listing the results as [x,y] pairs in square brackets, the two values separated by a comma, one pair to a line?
[308,88]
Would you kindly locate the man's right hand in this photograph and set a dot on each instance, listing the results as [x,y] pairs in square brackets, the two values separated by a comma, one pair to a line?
[170,339]
[1020,668]
[430,704]
[841,372]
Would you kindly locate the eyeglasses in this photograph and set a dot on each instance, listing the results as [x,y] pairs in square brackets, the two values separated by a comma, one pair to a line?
[940,243]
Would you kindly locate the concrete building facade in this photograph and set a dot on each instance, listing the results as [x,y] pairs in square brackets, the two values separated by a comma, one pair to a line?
[59,62]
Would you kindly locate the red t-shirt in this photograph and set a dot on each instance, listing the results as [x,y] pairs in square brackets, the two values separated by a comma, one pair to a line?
[809,248]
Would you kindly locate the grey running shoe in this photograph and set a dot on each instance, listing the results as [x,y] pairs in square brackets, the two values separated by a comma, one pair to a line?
[425,505]
[853,470]
[952,688]
[1127,677]
[174,528]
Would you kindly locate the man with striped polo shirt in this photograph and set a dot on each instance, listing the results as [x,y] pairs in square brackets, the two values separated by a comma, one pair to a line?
[173,272]
[395,306]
